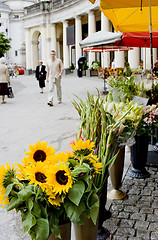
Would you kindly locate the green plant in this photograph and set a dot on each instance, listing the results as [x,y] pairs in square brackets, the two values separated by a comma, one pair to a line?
[95,65]
[4,44]
[85,66]
[72,67]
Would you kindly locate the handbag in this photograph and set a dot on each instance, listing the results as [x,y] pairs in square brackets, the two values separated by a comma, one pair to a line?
[10,92]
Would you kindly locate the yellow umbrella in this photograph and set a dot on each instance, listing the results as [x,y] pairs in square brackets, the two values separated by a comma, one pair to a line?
[130,16]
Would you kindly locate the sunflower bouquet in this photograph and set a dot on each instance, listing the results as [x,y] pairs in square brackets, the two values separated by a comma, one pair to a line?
[50,189]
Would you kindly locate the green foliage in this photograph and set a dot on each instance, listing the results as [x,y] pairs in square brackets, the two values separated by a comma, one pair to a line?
[85,66]
[95,65]
[72,67]
[4,44]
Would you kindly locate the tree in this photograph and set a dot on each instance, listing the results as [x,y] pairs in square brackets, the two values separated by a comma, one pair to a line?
[4,44]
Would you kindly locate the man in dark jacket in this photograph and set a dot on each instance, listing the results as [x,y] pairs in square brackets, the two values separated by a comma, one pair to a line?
[41,75]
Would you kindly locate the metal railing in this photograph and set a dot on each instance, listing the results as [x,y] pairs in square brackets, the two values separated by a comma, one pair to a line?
[39,7]
[60,3]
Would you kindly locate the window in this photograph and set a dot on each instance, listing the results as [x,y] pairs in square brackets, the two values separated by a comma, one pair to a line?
[16,53]
[16,16]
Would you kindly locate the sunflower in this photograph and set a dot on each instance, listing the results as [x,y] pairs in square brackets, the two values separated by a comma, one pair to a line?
[59,178]
[7,176]
[82,148]
[56,201]
[37,174]
[40,152]
[94,161]
[59,157]
[22,168]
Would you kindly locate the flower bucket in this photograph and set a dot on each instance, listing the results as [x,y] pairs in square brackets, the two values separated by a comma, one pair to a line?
[139,153]
[86,231]
[65,231]
[116,172]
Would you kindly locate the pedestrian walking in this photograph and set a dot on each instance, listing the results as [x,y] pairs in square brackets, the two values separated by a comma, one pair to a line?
[41,75]
[4,79]
[15,70]
[54,73]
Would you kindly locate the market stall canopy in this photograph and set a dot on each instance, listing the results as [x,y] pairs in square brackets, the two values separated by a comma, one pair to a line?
[107,49]
[130,16]
[139,39]
[100,38]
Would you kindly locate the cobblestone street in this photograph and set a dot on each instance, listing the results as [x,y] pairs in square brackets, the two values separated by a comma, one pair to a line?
[136,217]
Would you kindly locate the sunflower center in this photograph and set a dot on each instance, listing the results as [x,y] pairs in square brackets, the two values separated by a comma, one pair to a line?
[39,155]
[40,177]
[61,178]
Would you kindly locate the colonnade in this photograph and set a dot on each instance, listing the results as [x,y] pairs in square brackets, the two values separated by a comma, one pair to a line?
[49,41]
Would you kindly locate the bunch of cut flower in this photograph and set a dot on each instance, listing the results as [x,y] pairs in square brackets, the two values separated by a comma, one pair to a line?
[50,189]
[106,128]
[148,121]
[122,88]
[131,120]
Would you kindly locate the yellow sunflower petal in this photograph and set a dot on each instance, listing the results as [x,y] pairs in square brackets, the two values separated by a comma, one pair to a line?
[59,178]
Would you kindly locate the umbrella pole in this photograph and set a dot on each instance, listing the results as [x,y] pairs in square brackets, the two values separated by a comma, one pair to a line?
[151,47]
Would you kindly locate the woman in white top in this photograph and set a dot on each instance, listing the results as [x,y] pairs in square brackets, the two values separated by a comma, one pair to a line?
[4,79]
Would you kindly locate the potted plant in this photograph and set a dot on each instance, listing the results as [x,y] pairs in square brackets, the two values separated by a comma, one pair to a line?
[72,67]
[94,68]
[84,68]
[98,125]
[139,150]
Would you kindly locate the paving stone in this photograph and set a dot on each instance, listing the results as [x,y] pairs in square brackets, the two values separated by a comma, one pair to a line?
[123,215]
[153,227]
[112,229]
[146,198]
[117,208]
[134,191]
[152,218]
[156,211]
[135,238]
[141,224]
[114,214]
[127,223]
[125,232]
[155,193]
[154,236]
[146,192]
[120,238]
[146,210]
[143,233]
[138,216]
[112,221]
[131,209]
[155,204]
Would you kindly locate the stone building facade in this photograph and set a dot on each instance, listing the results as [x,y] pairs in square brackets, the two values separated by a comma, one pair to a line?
[36,27]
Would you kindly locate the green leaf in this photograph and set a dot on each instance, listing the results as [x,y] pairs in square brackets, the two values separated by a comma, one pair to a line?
[41,229]
[74,212]
[36,209]
[8,189]
[76,192]
[80,169]
[14,203]
[28,221]
[26,192]
[94,207]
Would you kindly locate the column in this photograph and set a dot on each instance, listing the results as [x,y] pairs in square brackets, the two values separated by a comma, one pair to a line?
[105,26]
[66,61]
[44,43]
[28,49]
[119,59]
[148,57]
[53,37]
[48,40]
[91,30]
[78,37]
[154,55]
[134,58]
